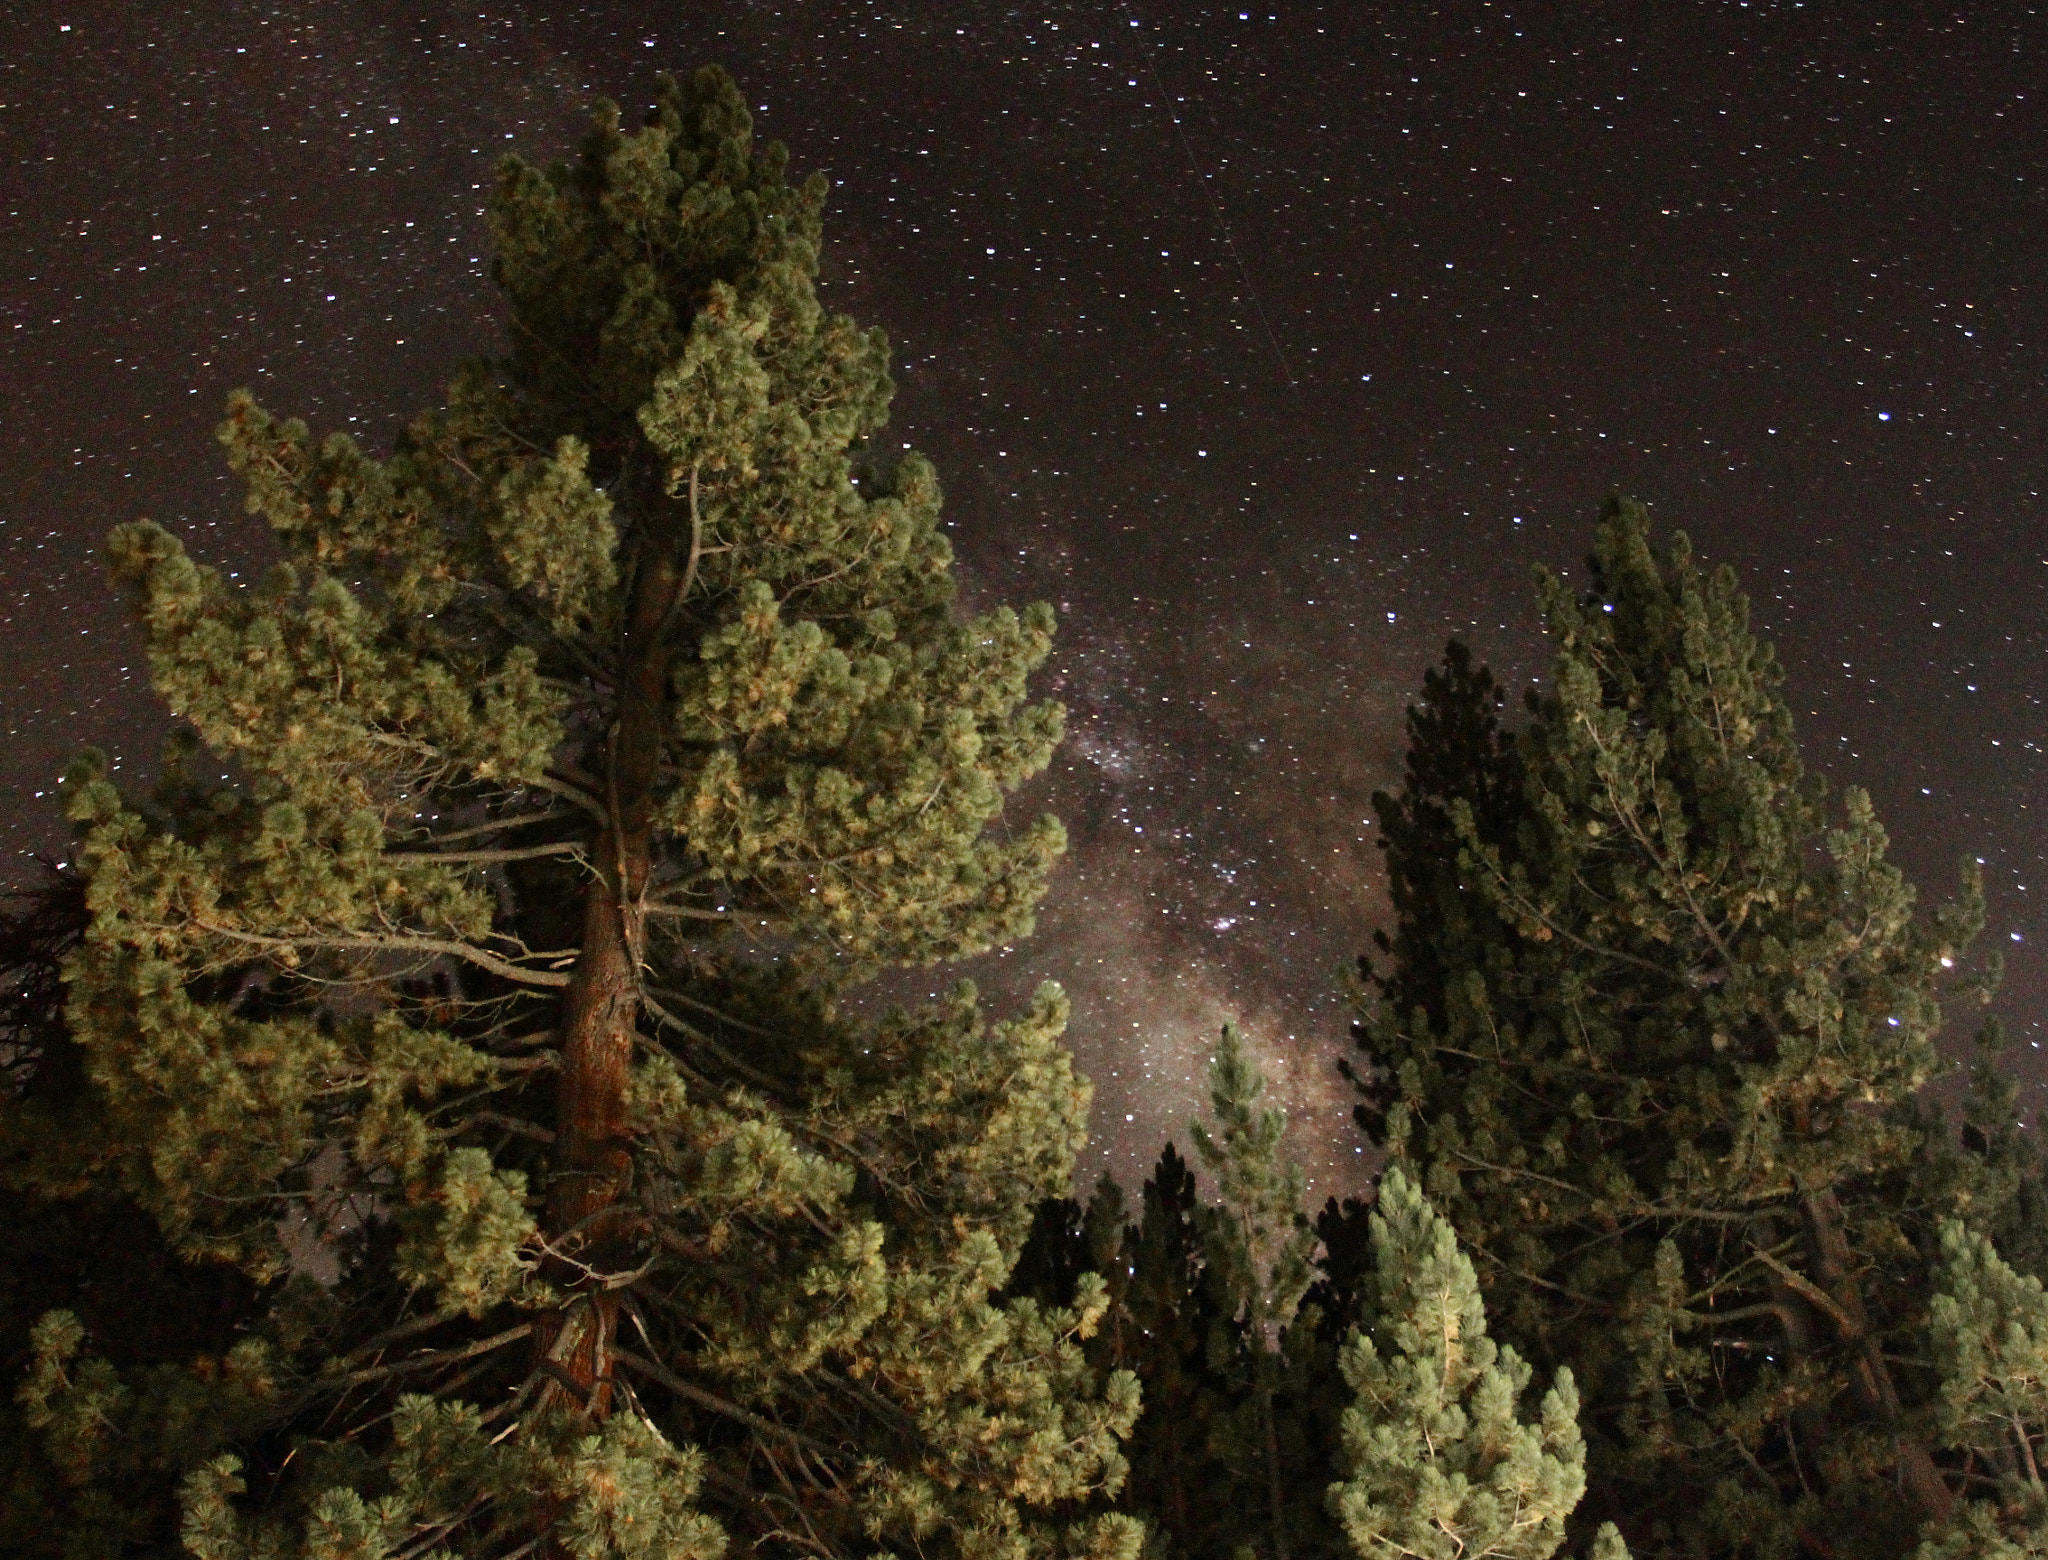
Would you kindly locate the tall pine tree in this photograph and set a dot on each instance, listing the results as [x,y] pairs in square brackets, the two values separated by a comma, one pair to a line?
[1257,1245]
[1168,1314]
[578,754]
[1646,1036]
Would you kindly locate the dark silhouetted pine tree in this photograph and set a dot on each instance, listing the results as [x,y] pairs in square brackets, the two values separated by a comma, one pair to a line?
[1343,1265]
[1648,1038]
[1167,1315]
[1459,757]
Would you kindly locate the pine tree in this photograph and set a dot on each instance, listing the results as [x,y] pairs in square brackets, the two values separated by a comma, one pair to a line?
[1069,1240]
[1344,1265]
[1438,1464]
[577,755]
[1167,1316]
[59,1219]
[1647,1039]
[1993,1172]
[1054,1254]
[1257,1245]
[1459,757]
[1989,1328]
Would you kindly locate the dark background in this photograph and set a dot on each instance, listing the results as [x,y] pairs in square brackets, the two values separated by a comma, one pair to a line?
[1272,344]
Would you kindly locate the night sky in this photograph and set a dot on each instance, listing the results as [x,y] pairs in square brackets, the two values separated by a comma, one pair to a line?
[1272,345]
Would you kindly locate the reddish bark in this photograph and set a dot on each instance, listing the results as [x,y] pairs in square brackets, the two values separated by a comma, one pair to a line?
[591,1232]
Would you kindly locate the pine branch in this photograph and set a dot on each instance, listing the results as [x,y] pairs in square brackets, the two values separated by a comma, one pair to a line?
[716,1404]
[492,826]
[575,848]
[432,1361]
[492,1118]
[404,944]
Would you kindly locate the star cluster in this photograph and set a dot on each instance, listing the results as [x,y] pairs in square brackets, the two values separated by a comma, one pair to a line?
[1273,344]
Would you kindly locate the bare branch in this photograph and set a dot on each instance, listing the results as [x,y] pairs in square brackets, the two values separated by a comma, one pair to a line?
[519,821]
[675,604]
[569,790]
[526,853]
[397,944]
[717,1404]
[1808,1290]
[391,1335]
[683,912]
[430,1361]
[492,1118]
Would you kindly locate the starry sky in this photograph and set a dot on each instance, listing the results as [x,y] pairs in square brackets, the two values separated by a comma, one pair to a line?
[1272,345]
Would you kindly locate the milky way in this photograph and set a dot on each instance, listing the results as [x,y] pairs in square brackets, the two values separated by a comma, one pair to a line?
[1271,345]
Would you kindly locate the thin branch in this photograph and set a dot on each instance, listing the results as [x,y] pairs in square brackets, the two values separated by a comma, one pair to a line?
[403,1330]
[861,1392]
[1600,1306]
[493,826]
[796,1504]
[418,1362]
[1775,1309]
[526,853]
[1808,1290]
[435,1532]
[492,1118]
[683,1026]
[514,1403]
[683,912]
[569,789]
[1527,1175]
[696,555]
[702,1006]
[1536,914]
[717,1404]
[545,1062]
[525,1041]
[457,950]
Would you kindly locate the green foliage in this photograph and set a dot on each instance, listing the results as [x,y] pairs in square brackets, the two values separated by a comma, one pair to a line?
[1203,1468]
[1257,1239]
[483,1012]
[59,1223]
[1990,1530]
[1418,1413]
[1990,1332]
[1232,1452]
[1989,1329]
[1256,1244]
[1439,1464]
[1648,1038]
[1992,1173]
[623,1493]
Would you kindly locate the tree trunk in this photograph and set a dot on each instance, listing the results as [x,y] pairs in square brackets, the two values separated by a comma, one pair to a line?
[590,1235]
[1870,1378]
[1178,1521]
[1275,1493]
[1812,1422]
